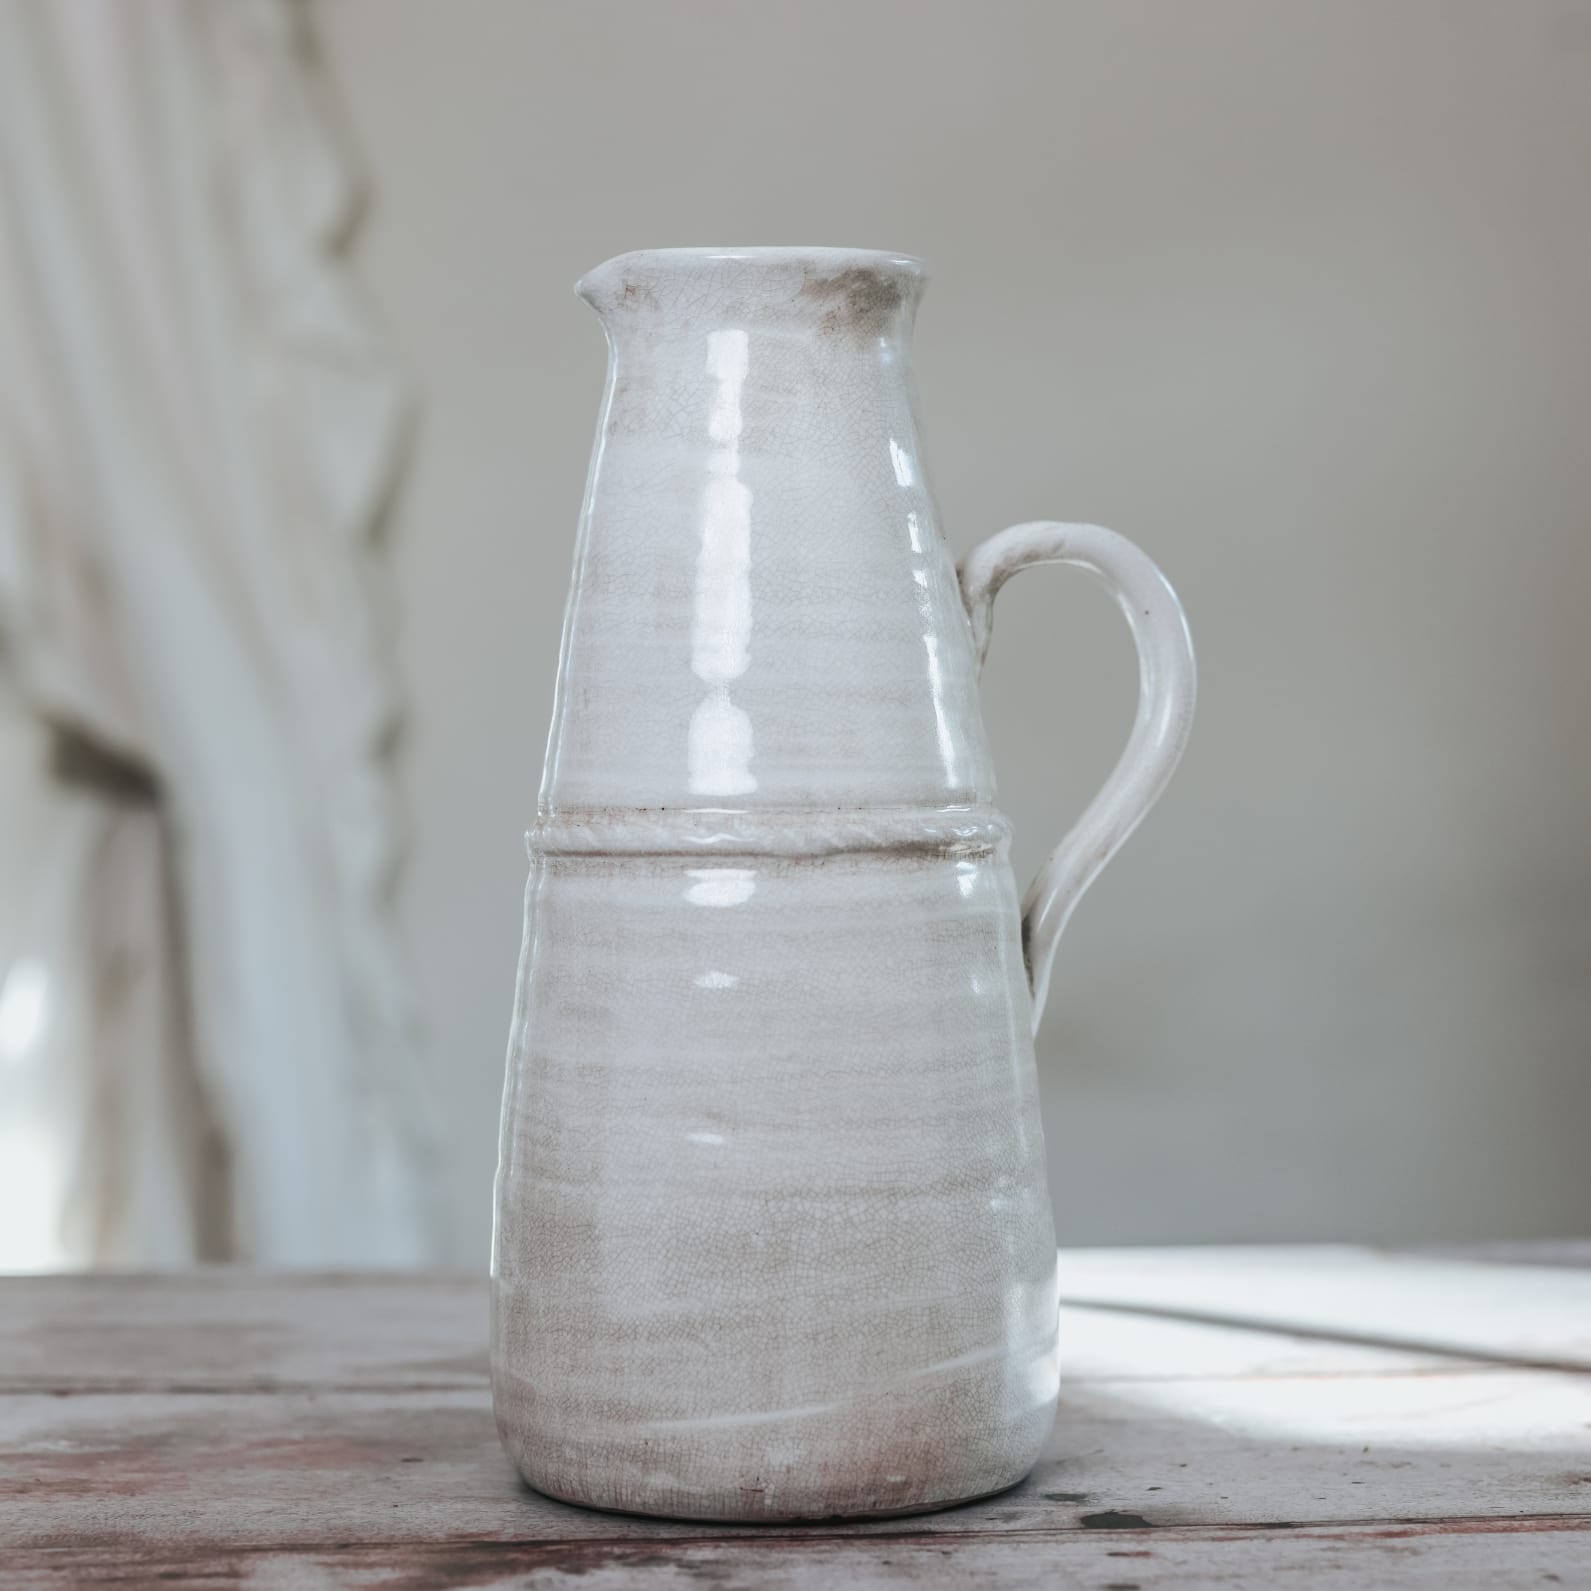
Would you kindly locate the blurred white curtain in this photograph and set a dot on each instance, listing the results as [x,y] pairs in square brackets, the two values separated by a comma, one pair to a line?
[207,1047]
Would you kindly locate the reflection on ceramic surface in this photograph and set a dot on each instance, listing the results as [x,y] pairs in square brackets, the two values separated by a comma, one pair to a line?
[773,1239]
[721,886]
[720,733]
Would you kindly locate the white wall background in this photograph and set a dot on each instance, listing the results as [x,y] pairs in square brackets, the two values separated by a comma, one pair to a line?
[1296,295]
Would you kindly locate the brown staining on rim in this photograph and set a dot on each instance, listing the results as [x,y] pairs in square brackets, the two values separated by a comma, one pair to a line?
[638,295]
[861,299]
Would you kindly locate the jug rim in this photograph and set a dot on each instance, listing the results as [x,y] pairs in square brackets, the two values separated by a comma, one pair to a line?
[821,262]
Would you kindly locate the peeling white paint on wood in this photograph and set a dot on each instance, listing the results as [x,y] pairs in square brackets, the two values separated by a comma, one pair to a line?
[1503,1559]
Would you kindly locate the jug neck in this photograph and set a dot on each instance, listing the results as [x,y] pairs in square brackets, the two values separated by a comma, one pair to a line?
[763,613]
[854,300]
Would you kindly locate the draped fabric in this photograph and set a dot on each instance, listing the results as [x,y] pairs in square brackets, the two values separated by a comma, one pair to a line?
[212,1048]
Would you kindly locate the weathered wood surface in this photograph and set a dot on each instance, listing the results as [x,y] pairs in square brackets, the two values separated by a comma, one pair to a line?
[222,1330]
[228,1429]
[1496,1555]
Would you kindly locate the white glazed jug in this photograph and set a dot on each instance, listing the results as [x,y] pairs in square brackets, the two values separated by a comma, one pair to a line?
[772,1234]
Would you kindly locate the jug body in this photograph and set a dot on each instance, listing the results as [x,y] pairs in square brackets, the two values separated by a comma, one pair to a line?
[773,1239]
[772,1235]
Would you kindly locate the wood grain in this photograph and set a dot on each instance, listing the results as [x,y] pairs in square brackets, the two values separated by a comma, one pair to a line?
[226,1330]
[227,1429]
[1494,1554]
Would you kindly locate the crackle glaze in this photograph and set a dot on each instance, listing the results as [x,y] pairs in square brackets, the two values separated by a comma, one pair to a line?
[772,1234]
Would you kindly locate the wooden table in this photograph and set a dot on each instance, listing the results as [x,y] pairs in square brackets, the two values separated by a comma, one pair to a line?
[1265,1417]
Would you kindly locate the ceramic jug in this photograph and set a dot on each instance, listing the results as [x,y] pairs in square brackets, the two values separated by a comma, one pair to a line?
[772,1234]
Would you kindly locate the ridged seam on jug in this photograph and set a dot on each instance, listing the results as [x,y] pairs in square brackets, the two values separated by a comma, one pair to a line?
[673,831]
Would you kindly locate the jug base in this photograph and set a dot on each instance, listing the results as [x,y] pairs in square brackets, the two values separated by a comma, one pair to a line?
[750,1513]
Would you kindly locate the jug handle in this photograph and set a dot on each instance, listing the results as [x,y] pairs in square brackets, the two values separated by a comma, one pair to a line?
[1160,732]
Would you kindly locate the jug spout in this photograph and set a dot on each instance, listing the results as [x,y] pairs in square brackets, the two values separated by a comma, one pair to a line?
[866,293]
